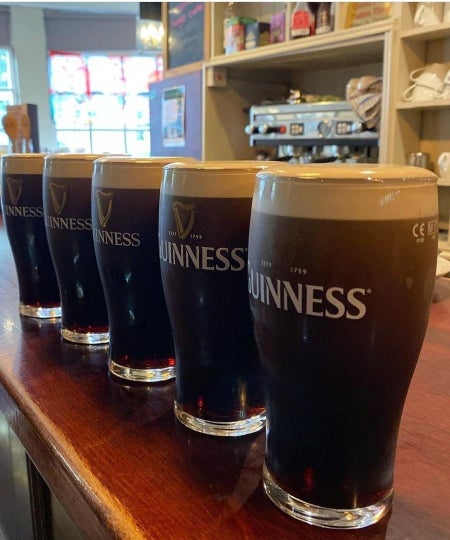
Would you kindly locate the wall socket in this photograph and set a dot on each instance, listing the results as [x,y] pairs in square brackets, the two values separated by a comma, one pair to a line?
[216,77]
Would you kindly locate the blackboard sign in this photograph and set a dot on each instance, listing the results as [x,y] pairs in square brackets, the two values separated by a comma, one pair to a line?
[185,33]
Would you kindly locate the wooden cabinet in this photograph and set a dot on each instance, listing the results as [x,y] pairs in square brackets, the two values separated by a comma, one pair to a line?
[321,64]
[389,47]
[28,508]
[418,126]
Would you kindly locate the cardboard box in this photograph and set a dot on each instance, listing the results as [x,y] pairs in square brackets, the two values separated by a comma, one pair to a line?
[257,34]
[359,13]
[278,28]
[234,30]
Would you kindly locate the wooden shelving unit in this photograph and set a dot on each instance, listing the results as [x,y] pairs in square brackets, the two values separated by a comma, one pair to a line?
[390,48]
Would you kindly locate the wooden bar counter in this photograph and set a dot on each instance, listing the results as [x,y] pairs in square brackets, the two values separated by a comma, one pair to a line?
[123,467]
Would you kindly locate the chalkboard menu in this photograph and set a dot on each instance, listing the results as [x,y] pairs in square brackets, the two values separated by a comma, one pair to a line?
[185,33]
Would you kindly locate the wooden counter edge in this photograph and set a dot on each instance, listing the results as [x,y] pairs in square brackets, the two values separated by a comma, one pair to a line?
[96,513]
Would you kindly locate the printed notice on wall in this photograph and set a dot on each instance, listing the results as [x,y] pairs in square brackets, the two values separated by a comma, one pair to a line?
[173,116]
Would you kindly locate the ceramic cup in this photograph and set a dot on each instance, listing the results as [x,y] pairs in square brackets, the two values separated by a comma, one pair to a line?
[428,13]
[447,86]
[420,92]
[428,83]
[419,159]
[431,74]
[443,163]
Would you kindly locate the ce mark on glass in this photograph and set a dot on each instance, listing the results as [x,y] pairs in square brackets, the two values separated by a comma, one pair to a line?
[426,228]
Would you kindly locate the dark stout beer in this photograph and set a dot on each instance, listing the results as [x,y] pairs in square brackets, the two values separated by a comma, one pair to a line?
[125,201]
[203,237]
[340,285]
[24,222]
[67,214]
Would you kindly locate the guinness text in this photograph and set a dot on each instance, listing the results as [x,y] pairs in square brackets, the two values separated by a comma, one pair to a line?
[115,238]
[308,299]
[202,257]
[69,224]
[24,211]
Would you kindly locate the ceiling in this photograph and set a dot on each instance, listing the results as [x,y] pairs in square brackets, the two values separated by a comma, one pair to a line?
[119,8]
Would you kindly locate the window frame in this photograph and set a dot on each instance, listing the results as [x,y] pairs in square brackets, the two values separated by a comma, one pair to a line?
[91,129]
[13,89]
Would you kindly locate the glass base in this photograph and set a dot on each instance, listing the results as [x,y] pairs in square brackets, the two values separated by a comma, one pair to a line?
[85,338]
[141,375]
[221,429]
[330,518]
[39,312]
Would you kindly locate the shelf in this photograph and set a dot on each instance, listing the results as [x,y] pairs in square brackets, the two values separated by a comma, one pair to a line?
[436,104]
[360,46]
[389,48]
[427,33]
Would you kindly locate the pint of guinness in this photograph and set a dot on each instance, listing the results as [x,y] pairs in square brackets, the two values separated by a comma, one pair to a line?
[342,263]
[204,217]
[67,186]
[23,216]
[125,201]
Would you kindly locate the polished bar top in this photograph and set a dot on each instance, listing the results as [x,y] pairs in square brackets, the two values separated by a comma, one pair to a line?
[123,467]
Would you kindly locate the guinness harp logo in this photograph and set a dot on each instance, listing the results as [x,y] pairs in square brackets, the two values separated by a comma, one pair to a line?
[184,218]
[59,196]
[14,186]
[104,206]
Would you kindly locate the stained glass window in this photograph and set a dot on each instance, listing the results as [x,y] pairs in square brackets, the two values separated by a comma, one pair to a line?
[100,103]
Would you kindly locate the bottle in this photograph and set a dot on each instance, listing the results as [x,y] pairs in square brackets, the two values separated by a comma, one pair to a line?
[325,17]
[302,21]
[227,32]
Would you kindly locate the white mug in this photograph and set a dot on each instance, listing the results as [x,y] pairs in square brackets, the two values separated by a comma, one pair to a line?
[444,164]
[419,159]
[428,83]
[420,92]
[447,85]
[425,74]
[428,13]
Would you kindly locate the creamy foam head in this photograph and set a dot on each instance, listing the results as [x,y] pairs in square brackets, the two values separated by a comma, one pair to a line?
[70,165]
[219,179]
[22,163]
[128,172]
[343,191]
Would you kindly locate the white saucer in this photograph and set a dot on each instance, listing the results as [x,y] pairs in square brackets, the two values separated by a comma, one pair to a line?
[442,266]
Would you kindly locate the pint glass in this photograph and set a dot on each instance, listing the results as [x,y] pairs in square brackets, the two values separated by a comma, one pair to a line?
[342,263]
[67,211]
[125,200]
[24,222]
[204,217]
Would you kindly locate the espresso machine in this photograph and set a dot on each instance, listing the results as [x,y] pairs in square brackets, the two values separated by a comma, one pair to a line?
[312,132]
